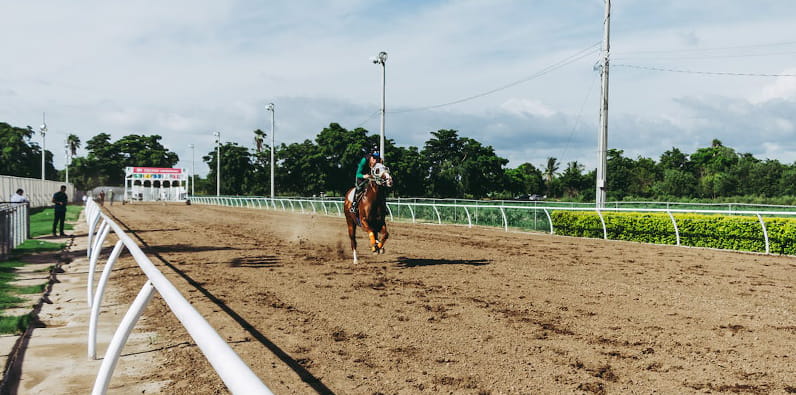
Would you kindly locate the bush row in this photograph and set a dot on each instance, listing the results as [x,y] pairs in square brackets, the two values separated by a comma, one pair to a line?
[742,233]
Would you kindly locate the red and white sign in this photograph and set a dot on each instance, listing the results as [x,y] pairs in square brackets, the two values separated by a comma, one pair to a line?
[156,170]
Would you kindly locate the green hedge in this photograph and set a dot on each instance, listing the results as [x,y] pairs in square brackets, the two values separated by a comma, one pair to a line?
[740,233]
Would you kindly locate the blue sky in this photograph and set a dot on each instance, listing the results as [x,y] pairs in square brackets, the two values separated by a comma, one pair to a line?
[183,69]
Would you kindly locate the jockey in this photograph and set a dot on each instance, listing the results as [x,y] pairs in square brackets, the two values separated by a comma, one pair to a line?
[363,174]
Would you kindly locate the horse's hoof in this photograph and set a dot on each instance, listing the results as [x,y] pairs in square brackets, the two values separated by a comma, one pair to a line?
[381,250]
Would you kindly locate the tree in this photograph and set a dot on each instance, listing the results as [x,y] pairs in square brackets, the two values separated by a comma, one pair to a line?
[572,180]
[73,144]
[105,162]
[409,170]
[235,168]
[550,171]
[461,167]
[18,155]
[301,171]
[675,183]
[525,179]
[340,151]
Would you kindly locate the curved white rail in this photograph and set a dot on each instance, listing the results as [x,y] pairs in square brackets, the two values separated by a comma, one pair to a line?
[237,376]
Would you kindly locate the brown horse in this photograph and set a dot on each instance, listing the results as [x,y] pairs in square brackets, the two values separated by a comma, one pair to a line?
[372,210]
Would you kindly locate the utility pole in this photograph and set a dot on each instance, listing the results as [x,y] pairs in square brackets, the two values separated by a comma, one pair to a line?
[270,108]
[66,155]
[218,162]
[43,131]
[603,140]
[193,169]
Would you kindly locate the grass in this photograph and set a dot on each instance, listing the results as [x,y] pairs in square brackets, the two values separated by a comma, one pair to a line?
[31,246]
[41,222]
[15,324]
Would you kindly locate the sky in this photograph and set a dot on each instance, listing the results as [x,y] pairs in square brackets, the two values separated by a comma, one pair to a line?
[519,76]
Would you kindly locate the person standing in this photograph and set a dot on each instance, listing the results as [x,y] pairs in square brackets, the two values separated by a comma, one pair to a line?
[19,197]
[60,200]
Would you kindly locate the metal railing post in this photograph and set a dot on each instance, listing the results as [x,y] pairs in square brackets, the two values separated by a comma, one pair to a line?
[120,338]
[95,308]
[765,231]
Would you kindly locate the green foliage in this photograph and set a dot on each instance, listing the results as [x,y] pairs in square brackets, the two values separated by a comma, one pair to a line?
[714,231]
[15,324]
[106,160]
[20,156]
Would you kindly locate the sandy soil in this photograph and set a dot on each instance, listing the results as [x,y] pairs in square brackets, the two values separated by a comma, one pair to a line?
[457,310]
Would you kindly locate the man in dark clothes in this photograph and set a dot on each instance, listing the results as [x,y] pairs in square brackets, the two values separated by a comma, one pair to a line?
[60,199]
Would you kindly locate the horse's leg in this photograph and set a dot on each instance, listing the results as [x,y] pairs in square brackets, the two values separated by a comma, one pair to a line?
[385,235]
[373,244]
[371,235]
[352,232]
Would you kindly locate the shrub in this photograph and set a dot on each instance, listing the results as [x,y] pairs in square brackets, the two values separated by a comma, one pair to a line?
[742,233]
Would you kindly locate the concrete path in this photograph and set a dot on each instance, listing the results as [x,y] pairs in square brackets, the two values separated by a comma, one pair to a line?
[52,357]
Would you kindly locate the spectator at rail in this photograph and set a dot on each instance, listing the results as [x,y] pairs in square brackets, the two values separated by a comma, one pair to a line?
[102,198]
[60,200]
[362,176]
[110,196]
[19,197]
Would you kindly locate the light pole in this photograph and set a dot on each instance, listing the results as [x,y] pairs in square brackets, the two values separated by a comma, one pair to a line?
[193,171]
[66,155]
[270,107]
[43,131]
[218,162]
[382,60]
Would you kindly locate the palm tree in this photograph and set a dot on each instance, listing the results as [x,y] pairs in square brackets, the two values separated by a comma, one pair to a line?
[73,142]
[550,171]
[259,137]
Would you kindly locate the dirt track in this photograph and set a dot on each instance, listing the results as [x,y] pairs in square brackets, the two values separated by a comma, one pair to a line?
[456,310]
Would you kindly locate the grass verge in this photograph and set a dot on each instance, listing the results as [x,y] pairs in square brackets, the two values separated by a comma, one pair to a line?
[15,324]
[41,222]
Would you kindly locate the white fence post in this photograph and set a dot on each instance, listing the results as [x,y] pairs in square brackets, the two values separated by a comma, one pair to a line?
[676,230]
[765,231]
[605,231]
[92,263]
[97,302]
[120,338]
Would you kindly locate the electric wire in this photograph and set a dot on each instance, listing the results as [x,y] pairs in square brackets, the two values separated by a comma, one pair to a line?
[578,117]
[367,119]
[561,63]
[701,72]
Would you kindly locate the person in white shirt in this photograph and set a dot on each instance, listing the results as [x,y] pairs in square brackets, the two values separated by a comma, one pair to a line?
[19,197]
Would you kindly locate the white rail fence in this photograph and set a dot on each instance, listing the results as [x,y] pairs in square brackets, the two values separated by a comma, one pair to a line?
[14,226]
[524,216]
[237,376]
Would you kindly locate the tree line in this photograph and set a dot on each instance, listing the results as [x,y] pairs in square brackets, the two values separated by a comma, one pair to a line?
[446,166]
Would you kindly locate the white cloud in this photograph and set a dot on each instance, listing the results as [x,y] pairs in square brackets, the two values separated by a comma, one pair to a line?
[186,68]
[527,107]
[783,88]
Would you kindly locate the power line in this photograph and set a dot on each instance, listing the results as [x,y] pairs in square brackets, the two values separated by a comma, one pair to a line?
[702,72]
[709,49]
[698,57]
[561,63]
[367,119]
[578,118]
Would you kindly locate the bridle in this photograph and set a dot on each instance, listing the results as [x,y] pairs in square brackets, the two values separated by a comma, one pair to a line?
[380,175]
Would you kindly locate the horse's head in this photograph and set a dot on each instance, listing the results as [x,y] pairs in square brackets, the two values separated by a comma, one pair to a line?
[381,174]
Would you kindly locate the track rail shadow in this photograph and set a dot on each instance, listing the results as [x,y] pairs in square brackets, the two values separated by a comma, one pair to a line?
[303,373]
